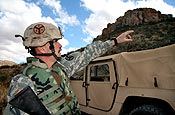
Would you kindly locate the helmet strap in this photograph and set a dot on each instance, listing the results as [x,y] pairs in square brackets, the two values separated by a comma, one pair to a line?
[53,51]
[47,54]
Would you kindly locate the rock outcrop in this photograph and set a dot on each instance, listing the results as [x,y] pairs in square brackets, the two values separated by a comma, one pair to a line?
[137,17]
[141,15]
[151,30]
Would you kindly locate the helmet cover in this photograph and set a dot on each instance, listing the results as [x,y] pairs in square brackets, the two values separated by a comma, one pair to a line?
[38,34]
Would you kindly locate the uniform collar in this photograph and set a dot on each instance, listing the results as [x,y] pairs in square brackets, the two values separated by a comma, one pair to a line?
[36,62]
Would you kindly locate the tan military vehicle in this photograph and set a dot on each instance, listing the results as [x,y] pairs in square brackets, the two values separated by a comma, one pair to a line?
[129,83]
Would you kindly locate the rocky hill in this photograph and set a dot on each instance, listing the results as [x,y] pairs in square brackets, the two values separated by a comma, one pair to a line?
[151,30]
[6,63]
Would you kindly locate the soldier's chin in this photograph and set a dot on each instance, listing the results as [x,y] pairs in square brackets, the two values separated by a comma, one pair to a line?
[58,57]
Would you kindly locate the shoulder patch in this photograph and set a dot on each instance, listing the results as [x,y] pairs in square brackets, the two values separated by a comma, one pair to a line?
[69,57]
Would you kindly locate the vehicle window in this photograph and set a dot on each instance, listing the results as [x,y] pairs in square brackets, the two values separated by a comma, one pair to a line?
[99,73]
[78,75]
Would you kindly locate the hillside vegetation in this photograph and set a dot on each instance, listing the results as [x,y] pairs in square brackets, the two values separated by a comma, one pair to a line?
[6,74]
[151,30]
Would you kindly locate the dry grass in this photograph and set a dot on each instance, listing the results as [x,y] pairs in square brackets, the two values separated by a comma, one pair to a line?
[3,97]
[6,74]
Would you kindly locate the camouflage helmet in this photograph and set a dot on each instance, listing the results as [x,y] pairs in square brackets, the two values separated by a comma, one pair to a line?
[40,33]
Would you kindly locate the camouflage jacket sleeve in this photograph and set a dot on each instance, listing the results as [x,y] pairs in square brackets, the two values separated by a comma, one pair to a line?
[78,60]
[18,82]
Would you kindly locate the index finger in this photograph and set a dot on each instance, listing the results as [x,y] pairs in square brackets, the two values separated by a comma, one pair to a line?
[129,32]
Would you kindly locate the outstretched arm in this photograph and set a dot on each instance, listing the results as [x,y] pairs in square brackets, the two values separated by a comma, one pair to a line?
[96,49]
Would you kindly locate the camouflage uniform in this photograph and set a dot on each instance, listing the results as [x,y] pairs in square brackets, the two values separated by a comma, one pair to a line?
[52,86]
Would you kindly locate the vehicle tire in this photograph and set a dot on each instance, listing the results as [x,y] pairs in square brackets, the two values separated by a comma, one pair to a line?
[148,110]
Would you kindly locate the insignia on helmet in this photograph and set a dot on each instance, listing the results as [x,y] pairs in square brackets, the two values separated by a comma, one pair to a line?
[38,29]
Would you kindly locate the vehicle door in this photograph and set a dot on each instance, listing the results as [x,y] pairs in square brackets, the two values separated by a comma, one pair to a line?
[102,84]
[77,81]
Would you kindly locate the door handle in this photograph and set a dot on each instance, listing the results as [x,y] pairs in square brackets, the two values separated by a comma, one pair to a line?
[85,84]
[114,85]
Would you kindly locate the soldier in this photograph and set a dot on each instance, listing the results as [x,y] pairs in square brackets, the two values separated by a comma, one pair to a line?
[48,74]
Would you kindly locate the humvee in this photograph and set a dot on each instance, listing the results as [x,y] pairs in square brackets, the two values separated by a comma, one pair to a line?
[129,83]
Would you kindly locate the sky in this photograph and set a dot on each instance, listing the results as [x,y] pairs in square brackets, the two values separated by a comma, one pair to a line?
[79,20]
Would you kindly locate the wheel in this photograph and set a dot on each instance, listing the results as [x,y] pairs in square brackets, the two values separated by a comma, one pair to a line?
[148,110]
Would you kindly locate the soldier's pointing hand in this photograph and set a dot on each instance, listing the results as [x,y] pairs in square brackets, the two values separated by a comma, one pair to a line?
[125,37]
